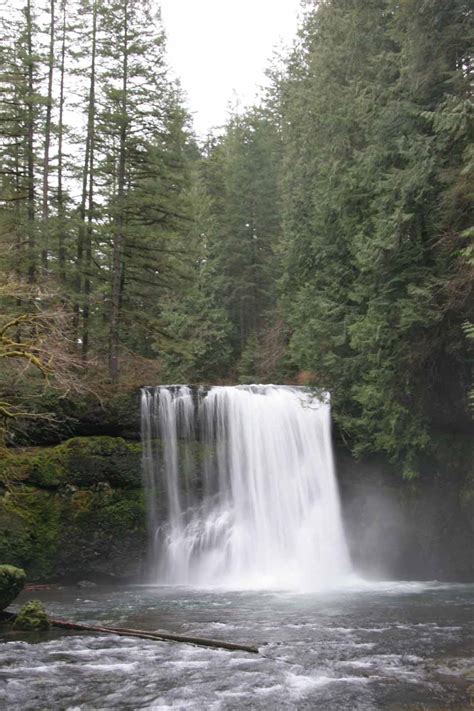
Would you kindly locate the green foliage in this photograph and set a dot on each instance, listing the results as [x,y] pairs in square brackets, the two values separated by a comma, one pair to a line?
[81,461]
[12,581]
[237,226]
[96,207]
[376,192]
[247,365]
[237,229]
[196,347]
[73,507]
[102,459]
[197,327]
[32,617]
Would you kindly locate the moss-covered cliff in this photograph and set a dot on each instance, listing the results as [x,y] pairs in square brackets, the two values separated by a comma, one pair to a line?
[74,510]
[77,510]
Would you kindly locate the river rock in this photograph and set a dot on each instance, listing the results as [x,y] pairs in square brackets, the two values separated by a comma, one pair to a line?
[32,617]
[12,581]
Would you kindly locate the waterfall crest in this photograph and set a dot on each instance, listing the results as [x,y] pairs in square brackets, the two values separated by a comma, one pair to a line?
[241,487]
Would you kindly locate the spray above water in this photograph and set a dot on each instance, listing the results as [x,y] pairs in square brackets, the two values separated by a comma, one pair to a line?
[241,488]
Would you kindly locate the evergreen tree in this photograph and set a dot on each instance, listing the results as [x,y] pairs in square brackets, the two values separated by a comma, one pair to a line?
[142,167]
[196,331]
[99,208]
[373,257]
[242,173]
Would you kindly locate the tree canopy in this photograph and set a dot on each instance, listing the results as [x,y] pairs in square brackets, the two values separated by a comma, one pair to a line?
[323,236]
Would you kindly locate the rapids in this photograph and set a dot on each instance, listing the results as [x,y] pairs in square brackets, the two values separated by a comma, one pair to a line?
[249,548]
[393,646]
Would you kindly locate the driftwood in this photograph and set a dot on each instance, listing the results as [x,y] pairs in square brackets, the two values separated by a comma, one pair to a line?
[157,636]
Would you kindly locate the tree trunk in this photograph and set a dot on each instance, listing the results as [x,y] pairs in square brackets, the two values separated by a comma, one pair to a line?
[47,145]
[157,636]
[118,240]
[88,165]
[61,211]
[90,193]
[30,165]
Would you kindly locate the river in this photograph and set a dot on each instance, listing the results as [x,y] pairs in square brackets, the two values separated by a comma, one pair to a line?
[395,646]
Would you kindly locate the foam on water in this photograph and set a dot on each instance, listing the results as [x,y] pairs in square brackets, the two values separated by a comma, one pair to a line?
[342,651]
[258,505]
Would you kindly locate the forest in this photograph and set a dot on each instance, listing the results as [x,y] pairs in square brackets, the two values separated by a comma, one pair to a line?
[236,389]
[322,237]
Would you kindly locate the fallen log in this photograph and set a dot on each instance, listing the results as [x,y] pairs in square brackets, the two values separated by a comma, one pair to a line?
[157,636]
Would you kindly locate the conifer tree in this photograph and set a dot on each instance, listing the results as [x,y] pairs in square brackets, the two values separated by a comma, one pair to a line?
[142,169]
[376,289]
[242,173]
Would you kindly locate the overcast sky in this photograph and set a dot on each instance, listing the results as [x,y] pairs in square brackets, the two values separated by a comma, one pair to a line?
[220,48]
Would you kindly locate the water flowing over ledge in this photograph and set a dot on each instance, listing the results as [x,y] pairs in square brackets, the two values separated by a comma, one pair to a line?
[248,478]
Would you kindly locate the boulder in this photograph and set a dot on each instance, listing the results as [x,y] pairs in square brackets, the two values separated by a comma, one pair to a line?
[32,617]
[12,581]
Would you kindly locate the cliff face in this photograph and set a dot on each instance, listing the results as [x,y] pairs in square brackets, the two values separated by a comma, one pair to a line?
[73,511]
[77,510]
[412,530]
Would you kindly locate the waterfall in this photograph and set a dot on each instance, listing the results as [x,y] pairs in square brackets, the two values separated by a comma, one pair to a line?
[241,487]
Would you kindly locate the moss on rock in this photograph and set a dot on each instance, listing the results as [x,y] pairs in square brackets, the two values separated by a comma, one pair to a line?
[117,415]
[83,532]
[36,515]
[32,617]
[103,459]
[45,467]
[105,534]
[82,461]
[72,509]
[12,581]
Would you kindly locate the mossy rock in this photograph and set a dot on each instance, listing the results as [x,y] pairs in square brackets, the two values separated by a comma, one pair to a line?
[12,581]
[118,415]
[103,459]
[105,534]
[48,468]
[44,467]
[38,518]
[32,618]
[15,543]
[94,531]
[14,467]
[81,461]
[73,508]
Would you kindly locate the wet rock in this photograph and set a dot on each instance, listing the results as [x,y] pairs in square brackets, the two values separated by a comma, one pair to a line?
[32,617]
[85,584]
[79,513]
[12,581]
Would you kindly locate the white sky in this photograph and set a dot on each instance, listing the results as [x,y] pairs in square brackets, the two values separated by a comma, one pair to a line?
[220,48]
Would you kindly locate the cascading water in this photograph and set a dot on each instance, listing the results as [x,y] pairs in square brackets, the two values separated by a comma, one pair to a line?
[248,479]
